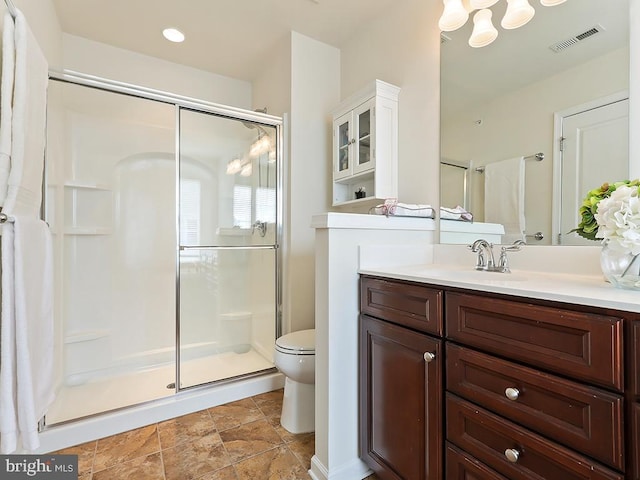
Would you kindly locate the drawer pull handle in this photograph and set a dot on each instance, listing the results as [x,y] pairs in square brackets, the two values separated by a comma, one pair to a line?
[512,454]
[428,356]
[512,393]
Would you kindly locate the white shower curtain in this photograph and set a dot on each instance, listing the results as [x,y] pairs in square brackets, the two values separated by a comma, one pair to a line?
[26,320]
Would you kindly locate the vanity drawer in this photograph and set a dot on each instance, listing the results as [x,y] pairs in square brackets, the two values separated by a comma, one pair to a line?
[585,418]
[461,466]
[406,304]
[585,346]
[487,437]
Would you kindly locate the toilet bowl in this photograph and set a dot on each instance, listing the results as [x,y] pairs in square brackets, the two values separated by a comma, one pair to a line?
[295,357]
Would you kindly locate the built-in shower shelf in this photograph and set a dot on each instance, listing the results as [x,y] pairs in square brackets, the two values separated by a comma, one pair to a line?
[86,335]
[86,185]
[87,231]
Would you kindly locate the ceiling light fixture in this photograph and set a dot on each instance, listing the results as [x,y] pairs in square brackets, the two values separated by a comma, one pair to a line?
[173,35]
[518,13]
[456,13]
[483,30]
[480,4]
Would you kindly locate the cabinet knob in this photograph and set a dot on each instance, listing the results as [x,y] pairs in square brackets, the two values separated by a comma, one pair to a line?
[512,454]
[428,356]
[512,393]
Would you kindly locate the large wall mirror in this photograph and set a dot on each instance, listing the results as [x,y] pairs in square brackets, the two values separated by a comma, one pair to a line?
[564,74]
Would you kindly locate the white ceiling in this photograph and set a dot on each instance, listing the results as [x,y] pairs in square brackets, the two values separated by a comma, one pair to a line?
[228,37]
[234,37]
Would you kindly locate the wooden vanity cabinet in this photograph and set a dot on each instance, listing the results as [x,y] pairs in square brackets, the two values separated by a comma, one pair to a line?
[633,434]
[400,384]
[529,389]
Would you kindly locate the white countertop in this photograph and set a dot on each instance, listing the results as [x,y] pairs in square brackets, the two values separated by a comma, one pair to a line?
[590,290]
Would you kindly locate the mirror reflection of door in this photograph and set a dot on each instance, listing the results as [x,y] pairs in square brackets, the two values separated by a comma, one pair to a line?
[595,150]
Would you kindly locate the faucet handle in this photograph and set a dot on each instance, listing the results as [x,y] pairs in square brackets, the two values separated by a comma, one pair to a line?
[503,261]
[515,247]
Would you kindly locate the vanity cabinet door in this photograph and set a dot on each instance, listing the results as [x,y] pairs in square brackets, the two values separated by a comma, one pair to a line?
[580,416]
[406,304]
[634,441]
[513,451]
[400,389]
[634,359]
[584,346]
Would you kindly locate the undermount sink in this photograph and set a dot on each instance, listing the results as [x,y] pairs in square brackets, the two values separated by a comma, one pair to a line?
[469,274]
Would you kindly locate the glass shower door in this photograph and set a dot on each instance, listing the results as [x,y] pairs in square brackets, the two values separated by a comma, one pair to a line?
[110,202]
[228,248]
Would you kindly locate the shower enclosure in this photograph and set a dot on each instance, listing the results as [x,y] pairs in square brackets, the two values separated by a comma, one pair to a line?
[167,222]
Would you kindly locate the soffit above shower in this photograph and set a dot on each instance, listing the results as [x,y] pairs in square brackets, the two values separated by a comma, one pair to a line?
[230,38]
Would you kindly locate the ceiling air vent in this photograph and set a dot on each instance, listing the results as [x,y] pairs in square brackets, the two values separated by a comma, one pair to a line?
[570,42]
[444,38]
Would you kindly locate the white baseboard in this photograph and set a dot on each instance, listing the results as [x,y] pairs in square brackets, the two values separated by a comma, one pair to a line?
[354,470]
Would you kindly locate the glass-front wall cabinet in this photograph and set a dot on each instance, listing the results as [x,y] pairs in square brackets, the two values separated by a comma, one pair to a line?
[365,145]
[354,135]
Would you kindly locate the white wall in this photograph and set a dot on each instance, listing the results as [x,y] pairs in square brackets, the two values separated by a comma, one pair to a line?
[43,21]
[95,58]
[634,86]
[315,90]
[521,123]
[272,88]
[403,48]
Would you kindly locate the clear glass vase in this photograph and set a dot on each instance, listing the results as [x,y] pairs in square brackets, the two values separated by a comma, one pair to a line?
[621,269]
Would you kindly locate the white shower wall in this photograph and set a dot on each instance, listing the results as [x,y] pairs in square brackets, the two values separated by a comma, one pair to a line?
[119,239]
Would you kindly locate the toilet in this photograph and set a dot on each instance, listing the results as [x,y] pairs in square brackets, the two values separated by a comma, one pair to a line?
[295,357]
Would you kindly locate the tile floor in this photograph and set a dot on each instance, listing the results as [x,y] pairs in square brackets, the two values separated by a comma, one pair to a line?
[237,441]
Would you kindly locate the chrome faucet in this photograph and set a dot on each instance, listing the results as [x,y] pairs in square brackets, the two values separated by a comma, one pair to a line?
[484,249]
[485,260]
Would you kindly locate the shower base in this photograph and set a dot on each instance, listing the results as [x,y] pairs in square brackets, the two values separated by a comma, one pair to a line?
[118,391]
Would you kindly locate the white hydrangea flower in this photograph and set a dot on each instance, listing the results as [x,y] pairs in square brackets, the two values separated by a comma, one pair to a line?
[618,218]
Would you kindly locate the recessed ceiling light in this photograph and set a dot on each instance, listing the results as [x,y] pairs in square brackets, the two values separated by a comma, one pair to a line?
[173,35]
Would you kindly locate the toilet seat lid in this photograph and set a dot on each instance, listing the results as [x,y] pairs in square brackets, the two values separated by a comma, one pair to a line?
[300,341]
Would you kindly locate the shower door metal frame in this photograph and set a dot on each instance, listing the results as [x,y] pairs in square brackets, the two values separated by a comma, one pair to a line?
[233,113]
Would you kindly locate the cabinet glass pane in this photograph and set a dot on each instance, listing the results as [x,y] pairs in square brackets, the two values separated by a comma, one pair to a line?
[343,147]
[364,137]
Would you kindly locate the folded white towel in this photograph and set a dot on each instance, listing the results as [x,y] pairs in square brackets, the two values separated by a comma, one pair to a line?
[24,192]
[26,373]
[6,102]
[504,197]
[456,213]
[391,207]
[8,361]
